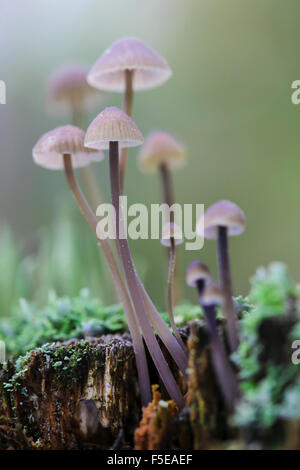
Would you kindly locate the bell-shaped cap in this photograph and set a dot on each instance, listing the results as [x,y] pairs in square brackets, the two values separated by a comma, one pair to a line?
[112,125]
[212,296]
[161,148]
[222,214]
[65,140]
[171,230]
[149,68]
[68,87]
[195,272]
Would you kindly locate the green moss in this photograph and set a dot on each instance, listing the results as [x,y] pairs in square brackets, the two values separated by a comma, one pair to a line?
[269,389]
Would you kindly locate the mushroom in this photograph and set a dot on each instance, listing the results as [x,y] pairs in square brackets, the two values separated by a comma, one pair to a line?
[68,92]
[223,219]
[198,275]
[212,298]
[63,149]
[171,236]
[162,152]
[109,130]
[128,65]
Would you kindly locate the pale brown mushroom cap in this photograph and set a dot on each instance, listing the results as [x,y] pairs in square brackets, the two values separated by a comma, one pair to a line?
[212,295]
[65,140]
[197,271]
[68,87]
[222,214]
[112,125]
[150,69]
[171,230]
[161,148]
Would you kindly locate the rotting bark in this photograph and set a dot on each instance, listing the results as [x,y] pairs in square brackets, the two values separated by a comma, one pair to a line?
[73,395]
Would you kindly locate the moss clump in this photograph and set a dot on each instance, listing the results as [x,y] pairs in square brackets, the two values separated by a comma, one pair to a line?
[65,318]
[269,380]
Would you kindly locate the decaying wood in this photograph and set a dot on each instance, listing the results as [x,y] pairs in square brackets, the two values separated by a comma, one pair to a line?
[71,406]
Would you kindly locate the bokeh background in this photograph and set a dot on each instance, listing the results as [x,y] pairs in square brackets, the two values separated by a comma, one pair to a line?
[229,101]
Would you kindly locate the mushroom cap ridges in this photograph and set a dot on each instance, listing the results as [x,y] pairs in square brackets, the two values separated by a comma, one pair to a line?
[112,125]
[196,271]
[171,230]
[150,69]
[50,148]
[161,148]
[212,295]
[222,214]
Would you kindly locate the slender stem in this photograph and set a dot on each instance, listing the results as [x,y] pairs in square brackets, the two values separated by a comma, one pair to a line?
[168,198]
[225,375]
[127,106]
[171,270]
[226,286]
[133,326]
[133,284]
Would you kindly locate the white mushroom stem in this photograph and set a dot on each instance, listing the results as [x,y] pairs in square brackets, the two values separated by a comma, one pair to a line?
[133,326]
[127,106]
[133,284]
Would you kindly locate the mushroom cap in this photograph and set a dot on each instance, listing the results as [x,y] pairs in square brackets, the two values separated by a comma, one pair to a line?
[212,295]
[50,148]
[112,125]
[171,230]
[197,271]
[222,214]
[150,69]
[161,148]
[68,85]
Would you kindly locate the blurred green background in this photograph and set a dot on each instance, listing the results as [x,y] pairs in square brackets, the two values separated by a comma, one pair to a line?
[229,100]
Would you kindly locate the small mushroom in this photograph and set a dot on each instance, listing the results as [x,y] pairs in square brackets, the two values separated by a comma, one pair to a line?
[198,275]
[223,219]
[162,153]
[68,92]
[171,237]
[109,130]
[63,149]
[212,298]
[128,65]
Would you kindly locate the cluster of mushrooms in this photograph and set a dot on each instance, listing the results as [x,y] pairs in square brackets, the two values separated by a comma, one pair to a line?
[127,66]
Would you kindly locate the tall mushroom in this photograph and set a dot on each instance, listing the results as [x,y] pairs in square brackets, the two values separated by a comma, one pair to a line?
[171,236]
[69,93]
[63,149]
[163,153]
[109,130]
[223,219]
[128,65]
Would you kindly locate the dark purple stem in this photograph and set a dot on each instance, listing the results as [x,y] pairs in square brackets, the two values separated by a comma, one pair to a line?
[226,286]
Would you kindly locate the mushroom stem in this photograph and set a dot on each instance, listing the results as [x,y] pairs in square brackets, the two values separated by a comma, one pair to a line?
[133,326]
[224,372]
[127,106]
[168,198]
[167,187]
[225,375]
[133,284]
[86,174]
[171,270]
[226,286]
